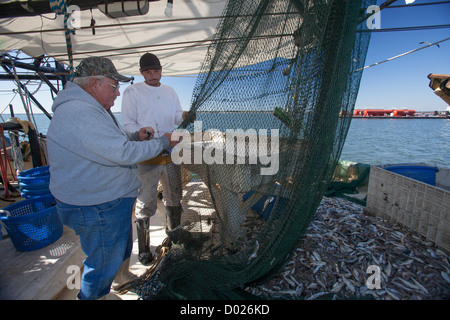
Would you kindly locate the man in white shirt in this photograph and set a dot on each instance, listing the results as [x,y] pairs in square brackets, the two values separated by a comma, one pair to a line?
[156,105]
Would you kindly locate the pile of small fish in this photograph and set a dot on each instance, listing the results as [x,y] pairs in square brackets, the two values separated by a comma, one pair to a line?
[347,254]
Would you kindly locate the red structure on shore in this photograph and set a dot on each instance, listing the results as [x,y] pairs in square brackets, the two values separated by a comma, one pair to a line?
[384,113]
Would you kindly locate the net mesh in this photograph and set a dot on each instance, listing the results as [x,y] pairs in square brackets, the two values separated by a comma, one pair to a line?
[270,103]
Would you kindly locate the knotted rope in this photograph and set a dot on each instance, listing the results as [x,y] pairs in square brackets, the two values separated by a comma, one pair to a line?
[60,7]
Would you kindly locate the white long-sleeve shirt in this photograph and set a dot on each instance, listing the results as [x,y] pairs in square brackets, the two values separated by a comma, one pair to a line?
[157,107]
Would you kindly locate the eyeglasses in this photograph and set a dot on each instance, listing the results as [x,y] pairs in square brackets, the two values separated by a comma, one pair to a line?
[115,88]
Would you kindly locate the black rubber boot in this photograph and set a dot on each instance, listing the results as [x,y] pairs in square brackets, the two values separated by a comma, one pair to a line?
[173,217]
[143,234]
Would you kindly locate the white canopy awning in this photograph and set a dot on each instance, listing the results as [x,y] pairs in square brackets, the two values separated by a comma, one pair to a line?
[180,40]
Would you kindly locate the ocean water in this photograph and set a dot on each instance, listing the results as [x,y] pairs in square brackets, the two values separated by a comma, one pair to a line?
[383,141]
[375,141]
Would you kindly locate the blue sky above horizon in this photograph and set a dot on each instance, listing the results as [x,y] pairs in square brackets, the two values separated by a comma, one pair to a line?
[400,83]
[403,82]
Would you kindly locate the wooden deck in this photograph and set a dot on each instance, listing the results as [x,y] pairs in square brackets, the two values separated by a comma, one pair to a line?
[42,274]
[39,274]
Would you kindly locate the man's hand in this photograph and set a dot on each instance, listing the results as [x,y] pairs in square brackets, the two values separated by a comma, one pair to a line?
[174,138]
[186,114]
[146,133]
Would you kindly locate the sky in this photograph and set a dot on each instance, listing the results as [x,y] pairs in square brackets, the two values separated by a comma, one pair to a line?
[399,83]
[403,82]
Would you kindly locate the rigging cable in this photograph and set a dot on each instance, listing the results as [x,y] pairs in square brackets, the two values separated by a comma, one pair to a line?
[205,42]
[403,54]
[138,23]
[419,28]
[416,4]
[19,89]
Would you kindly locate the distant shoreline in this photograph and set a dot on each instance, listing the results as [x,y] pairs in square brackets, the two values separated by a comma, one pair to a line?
[412,117]
[260,111]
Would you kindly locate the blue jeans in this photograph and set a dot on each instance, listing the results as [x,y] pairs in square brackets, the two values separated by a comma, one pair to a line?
[106,238]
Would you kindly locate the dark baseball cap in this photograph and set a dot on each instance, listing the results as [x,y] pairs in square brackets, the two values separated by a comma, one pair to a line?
[98,66]
[149,61]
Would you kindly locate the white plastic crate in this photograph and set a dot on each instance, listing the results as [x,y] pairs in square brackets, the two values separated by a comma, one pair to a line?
[417,205]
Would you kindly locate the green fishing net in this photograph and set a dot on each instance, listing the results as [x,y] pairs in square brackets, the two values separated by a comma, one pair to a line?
[270,104]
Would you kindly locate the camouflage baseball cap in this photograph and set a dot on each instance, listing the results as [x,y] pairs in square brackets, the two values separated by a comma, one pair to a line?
[97,66]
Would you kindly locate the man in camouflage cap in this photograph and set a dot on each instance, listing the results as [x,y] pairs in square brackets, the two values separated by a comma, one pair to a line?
[97,66]
[93,172]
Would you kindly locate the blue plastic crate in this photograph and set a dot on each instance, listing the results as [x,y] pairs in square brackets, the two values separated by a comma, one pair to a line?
[35,172]
[36,175]
[421,173]
[27,194]
[34,182]
[32,223]
[33,186]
